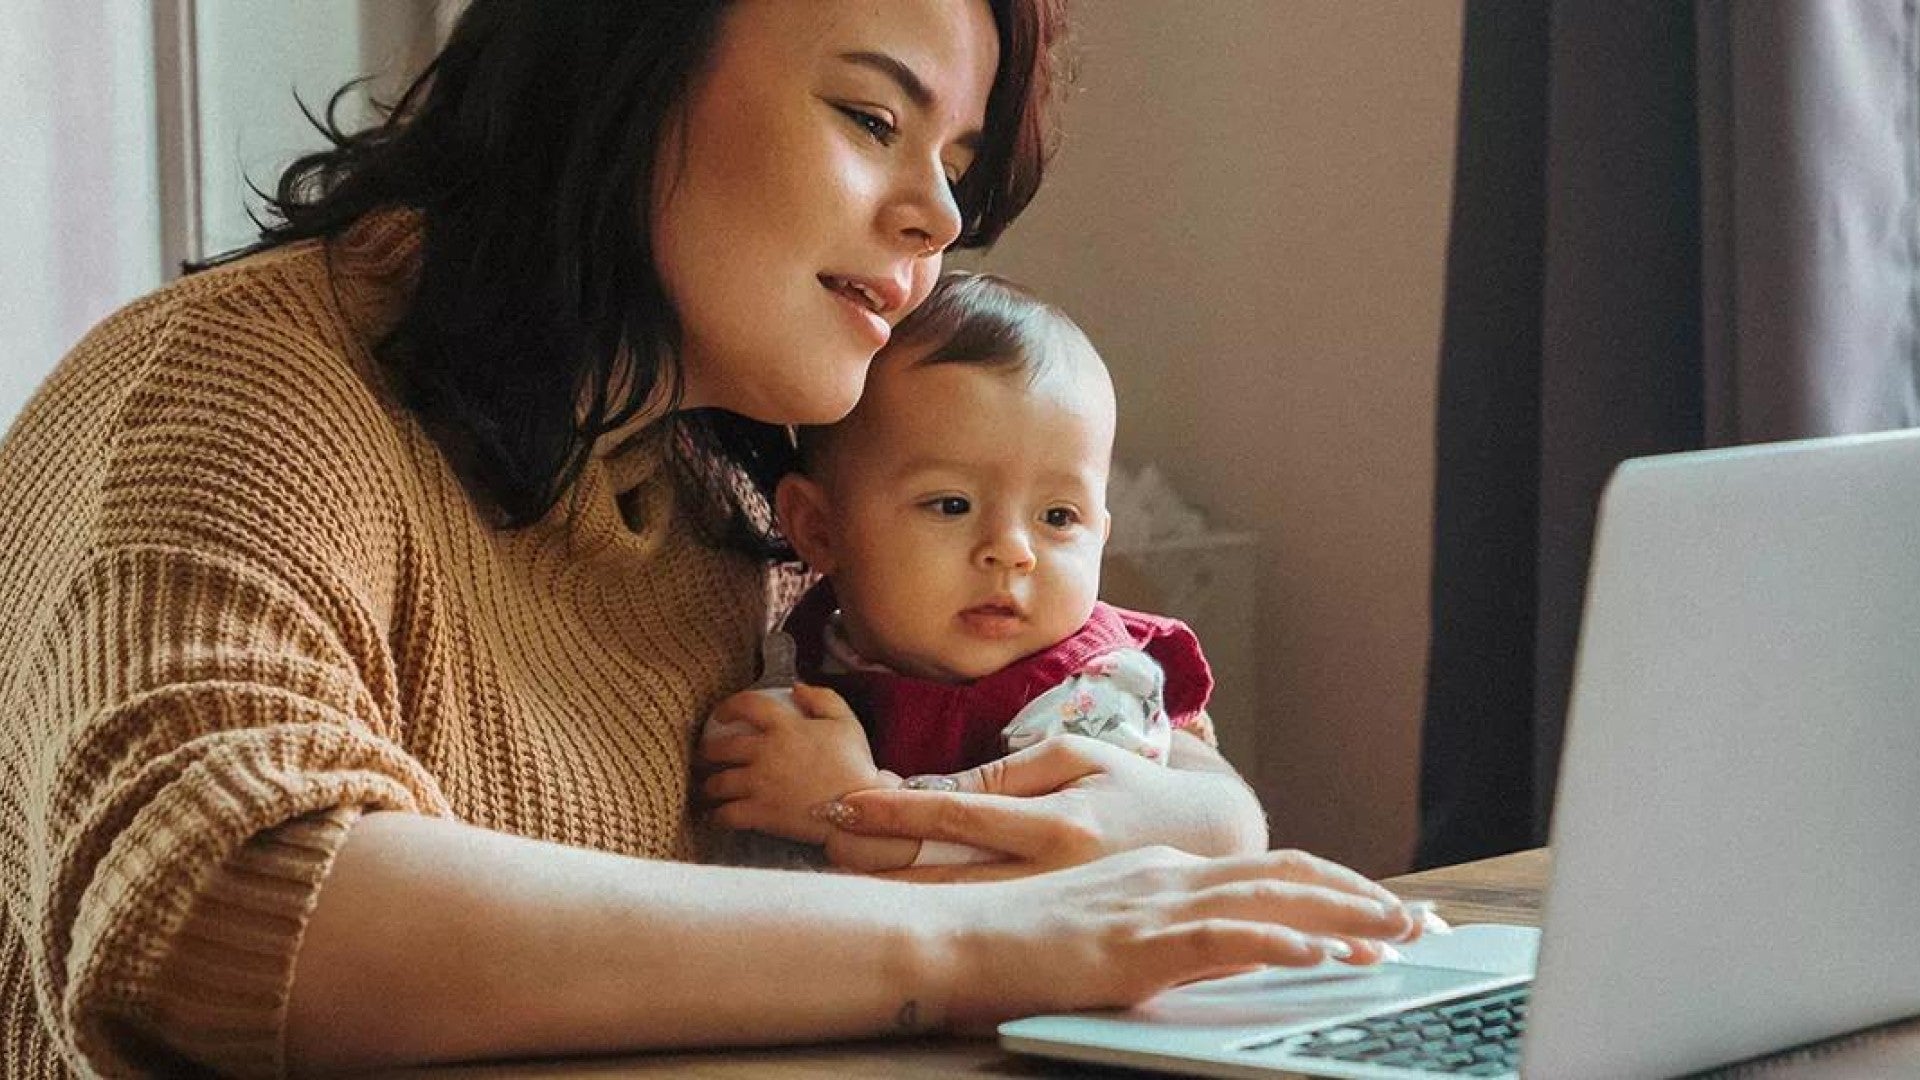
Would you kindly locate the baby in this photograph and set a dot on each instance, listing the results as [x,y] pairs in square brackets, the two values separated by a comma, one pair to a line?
[957,516]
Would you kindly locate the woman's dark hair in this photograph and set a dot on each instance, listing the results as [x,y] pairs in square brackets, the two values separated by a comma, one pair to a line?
[525,147]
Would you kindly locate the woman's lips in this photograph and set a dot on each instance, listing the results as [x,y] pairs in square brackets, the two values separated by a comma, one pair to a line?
[867,321]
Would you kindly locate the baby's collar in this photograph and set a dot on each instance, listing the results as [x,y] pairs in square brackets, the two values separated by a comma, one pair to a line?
[841,657]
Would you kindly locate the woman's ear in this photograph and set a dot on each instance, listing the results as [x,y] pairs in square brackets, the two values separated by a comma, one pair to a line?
[801,508]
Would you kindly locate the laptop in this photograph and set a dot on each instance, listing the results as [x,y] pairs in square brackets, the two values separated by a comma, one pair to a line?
[1736,834]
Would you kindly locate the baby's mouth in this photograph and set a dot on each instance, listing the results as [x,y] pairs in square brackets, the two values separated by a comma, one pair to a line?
[993,620]
[1002,608]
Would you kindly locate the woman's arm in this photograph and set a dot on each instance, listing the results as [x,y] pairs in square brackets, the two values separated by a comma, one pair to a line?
[433,941]
[438,941]
[1230,820]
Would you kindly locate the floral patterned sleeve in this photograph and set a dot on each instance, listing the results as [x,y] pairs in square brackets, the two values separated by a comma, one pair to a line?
[1118,698]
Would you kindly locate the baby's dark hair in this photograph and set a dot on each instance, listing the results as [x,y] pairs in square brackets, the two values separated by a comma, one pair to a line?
[973,318]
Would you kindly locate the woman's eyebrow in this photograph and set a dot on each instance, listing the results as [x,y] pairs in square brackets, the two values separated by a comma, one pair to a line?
[909,82]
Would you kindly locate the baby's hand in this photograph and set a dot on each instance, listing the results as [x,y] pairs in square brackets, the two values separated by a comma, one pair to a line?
[778,754]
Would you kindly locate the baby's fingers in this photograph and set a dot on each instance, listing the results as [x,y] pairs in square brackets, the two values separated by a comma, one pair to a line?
[752,710]
[733,749]
[819,701]
[727,785]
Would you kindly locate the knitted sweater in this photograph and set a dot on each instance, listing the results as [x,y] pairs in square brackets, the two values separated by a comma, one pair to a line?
[244,599]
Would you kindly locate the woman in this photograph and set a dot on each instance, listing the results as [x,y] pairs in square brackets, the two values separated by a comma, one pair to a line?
[361,593]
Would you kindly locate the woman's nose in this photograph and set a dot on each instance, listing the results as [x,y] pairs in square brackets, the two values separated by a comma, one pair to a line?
[925,215]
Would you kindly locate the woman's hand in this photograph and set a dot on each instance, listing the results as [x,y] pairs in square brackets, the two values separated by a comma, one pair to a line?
[1064,801]
[1117,931]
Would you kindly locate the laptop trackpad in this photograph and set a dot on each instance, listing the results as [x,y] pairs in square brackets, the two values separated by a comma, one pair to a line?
[1278,998]
[1209,1021]
[1470,956]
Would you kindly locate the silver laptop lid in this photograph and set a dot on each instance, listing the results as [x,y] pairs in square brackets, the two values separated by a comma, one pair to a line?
[1737,824]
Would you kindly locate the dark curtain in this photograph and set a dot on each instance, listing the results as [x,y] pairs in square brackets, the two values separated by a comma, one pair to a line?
[1674,225]
[1476,778]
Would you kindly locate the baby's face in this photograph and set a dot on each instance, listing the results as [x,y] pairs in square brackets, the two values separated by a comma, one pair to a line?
[967,512]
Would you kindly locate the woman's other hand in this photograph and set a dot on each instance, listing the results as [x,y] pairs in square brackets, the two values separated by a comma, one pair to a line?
[1117,931]
[1064,801]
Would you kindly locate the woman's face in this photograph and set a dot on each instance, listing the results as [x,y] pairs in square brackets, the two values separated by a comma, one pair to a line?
[804,195]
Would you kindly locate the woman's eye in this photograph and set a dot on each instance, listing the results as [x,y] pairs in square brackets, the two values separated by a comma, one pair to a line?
[1060,517]
[879,127]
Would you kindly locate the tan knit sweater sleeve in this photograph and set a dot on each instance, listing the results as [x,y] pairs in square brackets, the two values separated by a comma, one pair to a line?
[199,687]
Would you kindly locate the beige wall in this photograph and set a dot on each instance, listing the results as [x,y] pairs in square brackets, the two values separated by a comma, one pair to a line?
[1249,217]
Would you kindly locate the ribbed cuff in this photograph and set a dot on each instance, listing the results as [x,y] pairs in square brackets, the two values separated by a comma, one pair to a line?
[188,928]
[223,989]
[225,984]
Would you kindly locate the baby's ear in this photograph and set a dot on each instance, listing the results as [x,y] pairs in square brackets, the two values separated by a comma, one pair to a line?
[806,520]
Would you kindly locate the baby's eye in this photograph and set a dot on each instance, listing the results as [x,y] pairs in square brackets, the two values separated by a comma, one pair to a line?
[1060,517]
[950,505]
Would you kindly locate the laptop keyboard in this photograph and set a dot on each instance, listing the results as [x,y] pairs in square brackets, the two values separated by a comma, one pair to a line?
[1478,1035]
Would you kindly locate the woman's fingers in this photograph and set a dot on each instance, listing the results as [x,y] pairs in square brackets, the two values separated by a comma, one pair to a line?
[1207,948]
[1028,829]
[1299,866]
[1000,806]
[1121,929]
[1284,907]
[1313,909]
[1045,767]
[962,873]
[1389,919]
[1365,952]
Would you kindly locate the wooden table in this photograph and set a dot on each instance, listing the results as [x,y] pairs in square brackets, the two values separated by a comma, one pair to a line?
[1507,889]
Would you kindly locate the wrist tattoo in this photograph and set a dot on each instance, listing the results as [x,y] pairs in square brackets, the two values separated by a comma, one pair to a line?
[907,1020]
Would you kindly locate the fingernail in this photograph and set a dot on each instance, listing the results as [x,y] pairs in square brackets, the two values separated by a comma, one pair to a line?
[1430,921]
[835,813]
[930,783]
[1388,952]
[1338,949]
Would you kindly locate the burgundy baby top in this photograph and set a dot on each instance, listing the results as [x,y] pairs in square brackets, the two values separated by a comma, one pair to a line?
[922,726]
